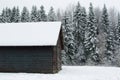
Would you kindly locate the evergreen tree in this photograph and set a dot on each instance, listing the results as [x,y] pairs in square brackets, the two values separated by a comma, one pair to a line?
[68,41]
[39,16]
[76,33]
[51,15]
[98,16]
[81,56]
[59,16]
[3,16]
[115,41]
[34,15]
[6,15]
[109,34]
[64,57]
[91,49]
[25,15]
[104,20]
[0,19]
[117,37]
[109,57]
[42,14]
[76,23]
[83,24]
[15,16]
[80,23]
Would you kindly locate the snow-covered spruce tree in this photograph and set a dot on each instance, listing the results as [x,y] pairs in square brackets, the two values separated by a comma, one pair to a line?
[112,17]
[117,30]
[59,16]
[83,24]
[81,56]
[76,33]
[43,14]
[117,43]
[64,55]
[91,49]
[39,16]
[109,36]
[104,25]
[104,20]
[25,15]
[69,45]
[6,15]
[33,17]
[98,11]
[51,15]
[109,56]
[3,16]
[76,23]
[80,23]
[0,19]
[13,10]
[15,16]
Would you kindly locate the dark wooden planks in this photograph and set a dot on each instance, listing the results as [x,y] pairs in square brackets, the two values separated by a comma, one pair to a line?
[26,59]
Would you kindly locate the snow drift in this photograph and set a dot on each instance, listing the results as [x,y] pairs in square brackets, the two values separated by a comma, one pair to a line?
[69,73]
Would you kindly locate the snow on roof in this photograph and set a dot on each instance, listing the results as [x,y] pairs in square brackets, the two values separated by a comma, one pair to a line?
[29,34]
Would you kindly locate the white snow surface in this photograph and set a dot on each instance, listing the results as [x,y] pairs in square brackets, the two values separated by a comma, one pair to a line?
[29,34]
[69,73]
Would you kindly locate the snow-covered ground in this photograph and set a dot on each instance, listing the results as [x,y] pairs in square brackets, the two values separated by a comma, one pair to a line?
[69,73]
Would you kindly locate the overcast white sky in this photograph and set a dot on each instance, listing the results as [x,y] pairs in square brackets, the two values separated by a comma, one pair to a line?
[62,4]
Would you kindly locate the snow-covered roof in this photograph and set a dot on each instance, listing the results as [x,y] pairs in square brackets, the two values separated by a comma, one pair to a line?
[29,34]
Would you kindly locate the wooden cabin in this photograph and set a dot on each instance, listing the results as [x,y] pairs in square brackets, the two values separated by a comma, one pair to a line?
[30,47]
